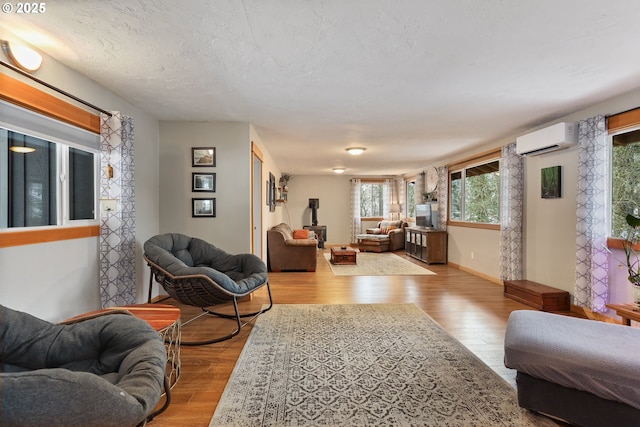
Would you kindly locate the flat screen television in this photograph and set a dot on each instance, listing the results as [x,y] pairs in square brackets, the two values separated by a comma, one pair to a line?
[426,216]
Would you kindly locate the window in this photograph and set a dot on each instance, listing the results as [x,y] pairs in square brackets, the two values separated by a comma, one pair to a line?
[474,193]
[371,199]
[48,185]
[411,199]
[625,193]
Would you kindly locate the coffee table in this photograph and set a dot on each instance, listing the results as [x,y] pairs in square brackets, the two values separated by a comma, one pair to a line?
[343,256]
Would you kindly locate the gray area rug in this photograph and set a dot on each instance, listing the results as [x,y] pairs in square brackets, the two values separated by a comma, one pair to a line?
[362,365]
[382,264]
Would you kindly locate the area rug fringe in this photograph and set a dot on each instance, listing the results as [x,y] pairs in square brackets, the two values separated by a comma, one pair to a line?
[363,365]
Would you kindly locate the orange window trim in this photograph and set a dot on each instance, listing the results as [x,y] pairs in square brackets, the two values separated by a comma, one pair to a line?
[617,243]
[29,237]
[20,93]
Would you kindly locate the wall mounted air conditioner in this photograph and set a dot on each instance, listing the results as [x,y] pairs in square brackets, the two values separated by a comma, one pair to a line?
[552,138]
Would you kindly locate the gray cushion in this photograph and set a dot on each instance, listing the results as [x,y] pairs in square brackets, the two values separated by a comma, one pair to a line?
[181,255]
[104,371]
[596,357]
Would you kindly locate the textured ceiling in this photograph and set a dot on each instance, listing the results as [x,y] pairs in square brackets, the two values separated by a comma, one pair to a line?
[413,81]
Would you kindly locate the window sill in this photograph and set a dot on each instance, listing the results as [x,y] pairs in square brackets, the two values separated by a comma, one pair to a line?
[618,243]
[30,237]
[474,225]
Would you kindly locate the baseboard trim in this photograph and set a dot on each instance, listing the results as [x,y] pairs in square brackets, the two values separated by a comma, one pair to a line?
[476,273]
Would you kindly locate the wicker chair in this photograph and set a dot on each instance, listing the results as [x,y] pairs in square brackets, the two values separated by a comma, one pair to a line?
[197,273]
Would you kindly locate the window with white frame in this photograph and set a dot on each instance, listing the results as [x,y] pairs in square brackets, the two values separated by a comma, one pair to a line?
[474,193]
[48,176]
[371,199]
[411,198]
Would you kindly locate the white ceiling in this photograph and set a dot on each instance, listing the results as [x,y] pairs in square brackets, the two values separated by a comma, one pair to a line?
[414,81]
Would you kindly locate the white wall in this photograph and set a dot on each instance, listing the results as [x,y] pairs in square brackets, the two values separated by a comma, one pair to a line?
[334,212]
[57,280]
[231,228]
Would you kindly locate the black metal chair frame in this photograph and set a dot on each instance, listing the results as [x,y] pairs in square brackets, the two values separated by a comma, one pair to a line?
[199,290]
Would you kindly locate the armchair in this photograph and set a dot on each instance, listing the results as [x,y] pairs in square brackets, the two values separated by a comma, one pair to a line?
[101,371]
[388,235]
[199,274]
[286,253]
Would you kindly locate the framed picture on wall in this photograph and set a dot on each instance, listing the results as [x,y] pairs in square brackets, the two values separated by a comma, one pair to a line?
[204,182]
[272,192]
[203,156]
[551,182]
[203,207]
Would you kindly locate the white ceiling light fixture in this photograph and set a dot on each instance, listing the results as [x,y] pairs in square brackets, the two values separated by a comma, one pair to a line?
[356,151]
[22,56]
[339,170]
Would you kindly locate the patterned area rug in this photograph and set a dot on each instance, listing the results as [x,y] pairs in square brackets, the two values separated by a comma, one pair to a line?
[382,264]
[362,365]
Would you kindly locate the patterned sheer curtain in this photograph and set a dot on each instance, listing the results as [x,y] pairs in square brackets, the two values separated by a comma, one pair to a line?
[592,279]
[511,213]
[420,183]
[118,227]
[402,197]
[355,209]
[443,196]
[387,197]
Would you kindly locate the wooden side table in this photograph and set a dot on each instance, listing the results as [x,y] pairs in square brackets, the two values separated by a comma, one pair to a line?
[346,256]
[627,312]
[164,318]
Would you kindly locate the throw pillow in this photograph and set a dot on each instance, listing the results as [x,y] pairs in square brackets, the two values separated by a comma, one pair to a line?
[300,234]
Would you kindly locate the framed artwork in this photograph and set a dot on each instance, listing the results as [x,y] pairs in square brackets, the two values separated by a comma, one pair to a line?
[203,156]
[272,192]
[203,207]
[266,193]
[551,182]
[205,182]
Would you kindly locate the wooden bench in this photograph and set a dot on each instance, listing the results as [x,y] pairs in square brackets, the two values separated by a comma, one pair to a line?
[537,295]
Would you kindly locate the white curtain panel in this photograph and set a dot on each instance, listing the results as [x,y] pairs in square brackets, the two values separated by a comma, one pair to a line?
[511,213]
[443,196]
[117,228]
[355,209]
[594,164]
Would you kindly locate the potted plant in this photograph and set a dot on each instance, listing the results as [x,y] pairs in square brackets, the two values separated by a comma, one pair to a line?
[284,181]
[632,256]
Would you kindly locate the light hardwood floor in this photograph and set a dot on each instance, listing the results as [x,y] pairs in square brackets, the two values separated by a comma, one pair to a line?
[472,309]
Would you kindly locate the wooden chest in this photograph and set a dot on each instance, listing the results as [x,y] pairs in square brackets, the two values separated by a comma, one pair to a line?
[537,295]
[343,256]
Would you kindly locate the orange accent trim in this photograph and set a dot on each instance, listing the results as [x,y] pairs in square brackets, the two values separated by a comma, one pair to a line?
[617,243]
[29,237]
[622,121]
[20,93]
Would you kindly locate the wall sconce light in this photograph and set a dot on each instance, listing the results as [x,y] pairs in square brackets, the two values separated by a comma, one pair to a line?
[356,151]
[109,205]
[22,56]
[339,170]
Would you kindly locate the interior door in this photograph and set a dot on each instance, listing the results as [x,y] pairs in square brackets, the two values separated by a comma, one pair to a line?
[256,216]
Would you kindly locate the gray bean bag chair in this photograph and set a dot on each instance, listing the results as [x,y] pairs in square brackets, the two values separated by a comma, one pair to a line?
[103,371]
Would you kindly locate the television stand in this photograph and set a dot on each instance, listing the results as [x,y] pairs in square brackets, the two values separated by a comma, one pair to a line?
[426,244]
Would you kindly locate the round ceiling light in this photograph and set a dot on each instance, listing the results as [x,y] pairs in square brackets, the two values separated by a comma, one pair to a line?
[356,151]
[339,170]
